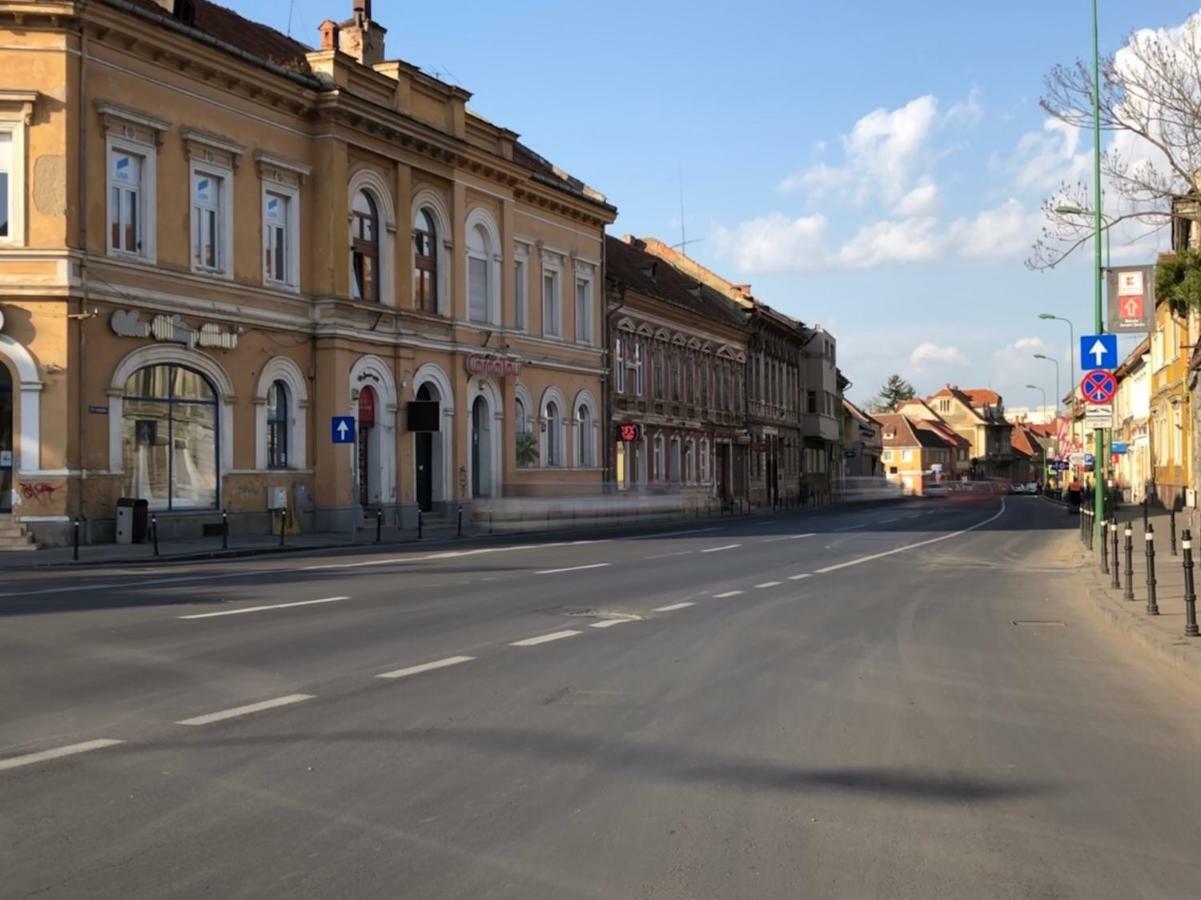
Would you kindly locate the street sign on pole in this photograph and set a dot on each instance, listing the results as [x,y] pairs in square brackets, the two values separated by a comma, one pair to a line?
[341,429]
[1099,351]
[1098,387]
[1131,299]
[1099,416]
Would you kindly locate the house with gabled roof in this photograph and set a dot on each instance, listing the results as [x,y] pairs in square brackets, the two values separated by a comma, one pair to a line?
[978,415]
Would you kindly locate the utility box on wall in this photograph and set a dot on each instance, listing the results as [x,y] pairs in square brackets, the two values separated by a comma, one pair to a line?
[277,498]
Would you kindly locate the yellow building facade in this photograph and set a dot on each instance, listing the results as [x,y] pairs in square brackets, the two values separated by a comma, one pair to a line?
[1170,417]
[218,241]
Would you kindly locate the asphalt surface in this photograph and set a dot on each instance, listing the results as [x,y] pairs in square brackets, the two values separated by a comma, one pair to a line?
[907,701]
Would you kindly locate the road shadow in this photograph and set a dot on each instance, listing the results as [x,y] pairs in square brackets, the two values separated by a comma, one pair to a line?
[665,764]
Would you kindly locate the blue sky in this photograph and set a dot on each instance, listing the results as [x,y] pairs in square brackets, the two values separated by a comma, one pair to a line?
[873,167]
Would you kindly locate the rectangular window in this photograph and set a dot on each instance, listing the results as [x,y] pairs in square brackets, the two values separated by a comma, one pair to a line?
[125,203]
[659,375]
[477,289]
[207,221]
[519,296]
[639,370]
[550,304]
[704,384]
[811,402]
[906,456]
[619,365]
[277,237]
[583,311]
[887,456]
[6,144]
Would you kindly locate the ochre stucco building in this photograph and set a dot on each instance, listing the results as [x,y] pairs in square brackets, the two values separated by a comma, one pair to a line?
[217,239]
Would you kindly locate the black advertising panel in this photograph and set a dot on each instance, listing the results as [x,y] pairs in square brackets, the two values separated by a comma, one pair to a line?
[424,415]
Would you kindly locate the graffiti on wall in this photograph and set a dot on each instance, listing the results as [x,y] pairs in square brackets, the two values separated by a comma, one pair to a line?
[39,491]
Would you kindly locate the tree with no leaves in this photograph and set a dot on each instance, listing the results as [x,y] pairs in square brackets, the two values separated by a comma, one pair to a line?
[1151,101]
[895,392]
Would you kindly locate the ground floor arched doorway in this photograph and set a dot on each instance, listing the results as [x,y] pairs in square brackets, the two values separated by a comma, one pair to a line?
[481,448]
[424,461]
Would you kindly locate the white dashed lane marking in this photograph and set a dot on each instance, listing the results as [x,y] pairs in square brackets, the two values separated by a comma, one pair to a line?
[426,667]
[799,577]
[571,569]
[767,584]
[245,710]
[609,623]
[718,549]
[250,609]
[788,537]
[851,527]
[673,607]
[544,638]
[727,594]
[29,759]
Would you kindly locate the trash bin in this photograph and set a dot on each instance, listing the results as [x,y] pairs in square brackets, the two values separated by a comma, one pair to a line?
[133,516]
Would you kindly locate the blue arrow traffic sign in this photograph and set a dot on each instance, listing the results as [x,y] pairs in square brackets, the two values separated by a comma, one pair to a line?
[341,429]
[1098,351]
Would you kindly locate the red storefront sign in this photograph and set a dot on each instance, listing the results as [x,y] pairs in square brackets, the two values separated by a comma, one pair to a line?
[366,407]
[628,432]
[498,366]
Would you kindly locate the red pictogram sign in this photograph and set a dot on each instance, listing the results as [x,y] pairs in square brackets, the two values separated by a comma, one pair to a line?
[1098,386]
[628,432]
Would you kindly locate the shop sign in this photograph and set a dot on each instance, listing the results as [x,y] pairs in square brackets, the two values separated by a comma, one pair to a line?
[172,330]
[628,432]
[498,366]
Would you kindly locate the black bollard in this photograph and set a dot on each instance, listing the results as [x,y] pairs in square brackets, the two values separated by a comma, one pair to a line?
[75,554]
[1172,522]
[1104,552]
[1090,531]
[1144,513]
[283,525]
[459,532]
[419,524]
[224,530]
[1115,568]
[1152,602]
[1128,594]
[1190,595]
[154,531]
[379,524]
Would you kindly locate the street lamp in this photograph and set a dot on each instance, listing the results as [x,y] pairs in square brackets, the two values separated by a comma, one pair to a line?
[1081,211]
[1052,359]
[1035,387]
[1071,365]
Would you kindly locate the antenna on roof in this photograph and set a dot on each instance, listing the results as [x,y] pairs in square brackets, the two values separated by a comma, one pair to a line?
[684,242]
[291,6]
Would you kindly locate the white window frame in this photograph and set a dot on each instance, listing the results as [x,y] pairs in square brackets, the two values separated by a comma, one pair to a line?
[291,235]
[147,199]
[585,275]
[493,261]
[552,265]
[620,351]
[659,459]
[906,456]
[521,286]
[639,368]
[225,217]
[16,115]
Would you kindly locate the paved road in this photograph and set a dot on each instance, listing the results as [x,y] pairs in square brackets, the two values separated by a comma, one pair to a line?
[829,706]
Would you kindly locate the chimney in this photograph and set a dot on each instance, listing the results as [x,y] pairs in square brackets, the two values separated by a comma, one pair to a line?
[329,34]
[360,37]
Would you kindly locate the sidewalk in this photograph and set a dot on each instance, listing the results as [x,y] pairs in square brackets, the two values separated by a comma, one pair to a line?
[1162,634]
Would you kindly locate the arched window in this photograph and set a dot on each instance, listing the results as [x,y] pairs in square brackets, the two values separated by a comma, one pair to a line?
[425,262]
[675,472]
[690,461]
[553,421]
[364,248]
[585,450]
[705,461]
[277,425]
[527,442]
[169,438]
[660,473]
[479,281]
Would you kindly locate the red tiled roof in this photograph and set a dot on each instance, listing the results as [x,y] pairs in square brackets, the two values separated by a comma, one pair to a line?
[632,265]
[1022,442]
[251,37]
[982,396]
[934,434]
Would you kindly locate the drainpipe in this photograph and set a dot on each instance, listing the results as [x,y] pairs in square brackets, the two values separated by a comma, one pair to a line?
[610,477]
[82,152]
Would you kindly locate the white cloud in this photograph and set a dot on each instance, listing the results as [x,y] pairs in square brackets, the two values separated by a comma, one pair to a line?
[891,241]
[1033,344]
[1003,232]
[967,112]
[927,353]
[921,201]
[1043,160]
[775,243]
[881,152]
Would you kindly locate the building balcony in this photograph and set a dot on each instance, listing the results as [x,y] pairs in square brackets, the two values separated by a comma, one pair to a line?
[817,425]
